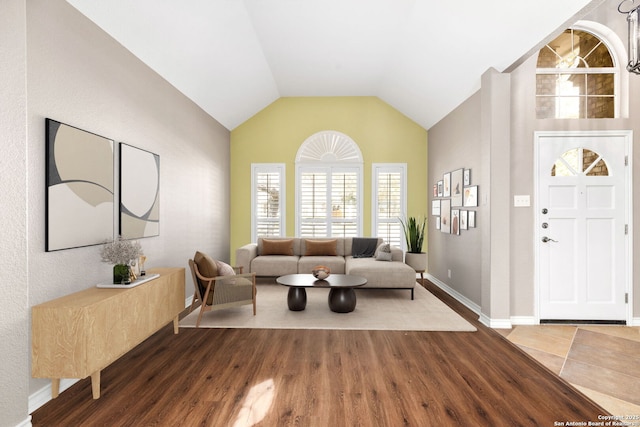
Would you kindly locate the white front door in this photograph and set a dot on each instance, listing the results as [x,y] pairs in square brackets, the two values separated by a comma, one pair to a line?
[581,220]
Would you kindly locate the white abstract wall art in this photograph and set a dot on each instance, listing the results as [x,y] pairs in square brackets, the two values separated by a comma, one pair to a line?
[139,193]
[79,186]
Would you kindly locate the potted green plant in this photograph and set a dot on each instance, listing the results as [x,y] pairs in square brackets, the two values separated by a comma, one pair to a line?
[414,230]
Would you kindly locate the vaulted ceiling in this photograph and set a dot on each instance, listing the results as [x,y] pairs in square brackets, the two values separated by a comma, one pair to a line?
[423,57]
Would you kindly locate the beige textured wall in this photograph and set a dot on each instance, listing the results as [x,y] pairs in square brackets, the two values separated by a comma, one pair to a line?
[458,134]
[454,143]
[79,75]
[523,126]
[14,301]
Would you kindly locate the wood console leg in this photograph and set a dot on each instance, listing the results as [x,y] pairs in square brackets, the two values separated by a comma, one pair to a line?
[176,328]
[55,387]
[95,384]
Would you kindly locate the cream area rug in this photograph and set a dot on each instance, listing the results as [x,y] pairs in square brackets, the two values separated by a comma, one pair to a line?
[375,310]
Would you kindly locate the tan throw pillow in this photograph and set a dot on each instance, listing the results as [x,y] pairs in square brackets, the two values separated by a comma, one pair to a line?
[277,247]
[321,247]
[206,265]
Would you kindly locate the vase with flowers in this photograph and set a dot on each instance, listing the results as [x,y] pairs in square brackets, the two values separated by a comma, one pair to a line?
[122,254]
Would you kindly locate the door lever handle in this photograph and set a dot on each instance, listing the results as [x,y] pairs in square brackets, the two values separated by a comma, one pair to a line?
[546,239]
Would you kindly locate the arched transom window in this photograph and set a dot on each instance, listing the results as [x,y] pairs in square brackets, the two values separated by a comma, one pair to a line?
[580,161]
[576,78]
[329,186]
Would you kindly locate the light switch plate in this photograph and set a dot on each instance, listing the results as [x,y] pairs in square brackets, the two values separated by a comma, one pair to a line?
[522,201]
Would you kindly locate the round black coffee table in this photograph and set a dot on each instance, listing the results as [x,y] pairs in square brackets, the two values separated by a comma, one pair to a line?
[342,297]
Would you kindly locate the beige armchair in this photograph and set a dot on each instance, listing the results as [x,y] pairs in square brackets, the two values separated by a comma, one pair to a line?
[216,289]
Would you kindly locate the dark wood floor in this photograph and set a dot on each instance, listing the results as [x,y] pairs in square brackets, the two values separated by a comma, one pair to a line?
[212,377]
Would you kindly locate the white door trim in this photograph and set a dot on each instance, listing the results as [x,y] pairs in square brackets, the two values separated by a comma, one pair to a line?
[628,136]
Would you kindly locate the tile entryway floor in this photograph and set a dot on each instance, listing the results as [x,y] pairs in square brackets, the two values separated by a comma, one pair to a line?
[603,362]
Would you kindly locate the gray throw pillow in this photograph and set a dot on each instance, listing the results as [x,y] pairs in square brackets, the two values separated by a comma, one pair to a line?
[384,252]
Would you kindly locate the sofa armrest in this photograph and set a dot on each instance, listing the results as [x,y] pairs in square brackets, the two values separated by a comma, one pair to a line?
[245,254]
[397,254]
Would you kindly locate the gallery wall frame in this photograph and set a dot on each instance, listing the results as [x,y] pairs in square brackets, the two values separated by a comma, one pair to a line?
[455,221]
[435,207]
[464,217]
[471,196]
[456,187]
[139,192]
[445,216]
[446,182]
[79,187]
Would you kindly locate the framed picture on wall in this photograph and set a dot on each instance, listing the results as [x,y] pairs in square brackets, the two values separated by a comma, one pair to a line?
[467,177]
[471,196]
[446,184]
[471,221]
[440,187]
[79,187]
[445,215]
[438,223]
[435,207]
[456,187]
[455,221]
[463,220]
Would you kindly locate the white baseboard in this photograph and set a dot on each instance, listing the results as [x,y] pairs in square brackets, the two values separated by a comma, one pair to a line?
[524,320]
[635,321]
[43,395]
[25,423]
[455,294]
[496,323]
[483,318]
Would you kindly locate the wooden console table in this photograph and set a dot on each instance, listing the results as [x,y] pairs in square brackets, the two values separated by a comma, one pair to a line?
[80,334]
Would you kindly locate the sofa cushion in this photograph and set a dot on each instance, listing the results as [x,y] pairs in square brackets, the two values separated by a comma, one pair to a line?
[381,274]
[307,263]
[274,265]
[321,247]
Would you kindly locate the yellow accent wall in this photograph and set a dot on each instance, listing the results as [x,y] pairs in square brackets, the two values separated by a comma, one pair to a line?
[275,134]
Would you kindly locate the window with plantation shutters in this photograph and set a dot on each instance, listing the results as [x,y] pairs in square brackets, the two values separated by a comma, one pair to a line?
[267,196]
[329,187]
[389,202]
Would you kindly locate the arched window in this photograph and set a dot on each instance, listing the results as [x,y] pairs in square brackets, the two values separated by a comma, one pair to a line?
[578,76]
[329,186]
[580,161]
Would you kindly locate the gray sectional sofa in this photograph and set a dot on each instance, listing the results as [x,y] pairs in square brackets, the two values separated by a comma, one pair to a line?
[278,256]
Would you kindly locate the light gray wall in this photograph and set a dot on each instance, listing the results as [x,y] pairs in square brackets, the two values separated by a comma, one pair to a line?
[14,299]
[77,74]
[454,143]
[524,124]
[457,136]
